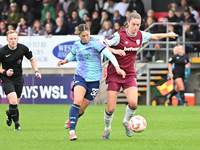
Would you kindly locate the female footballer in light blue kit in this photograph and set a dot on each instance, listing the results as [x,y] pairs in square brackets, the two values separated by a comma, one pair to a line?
[88,73]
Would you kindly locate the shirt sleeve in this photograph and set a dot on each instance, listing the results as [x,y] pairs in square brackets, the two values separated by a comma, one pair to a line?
[98,45]
[146,36]
[172,59]
[28,54]
[70,57]
[110,56]
[112,40]
[72,54]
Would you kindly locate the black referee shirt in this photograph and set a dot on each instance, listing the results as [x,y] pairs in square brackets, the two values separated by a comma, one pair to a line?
[179,63]
[12,59]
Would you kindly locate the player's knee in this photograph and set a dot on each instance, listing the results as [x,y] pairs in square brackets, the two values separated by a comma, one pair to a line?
[133,104]
[110,110]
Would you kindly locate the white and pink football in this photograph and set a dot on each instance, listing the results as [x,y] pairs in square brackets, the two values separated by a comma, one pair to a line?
[137,124]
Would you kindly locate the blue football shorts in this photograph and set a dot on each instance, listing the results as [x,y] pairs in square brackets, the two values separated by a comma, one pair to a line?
[92,88]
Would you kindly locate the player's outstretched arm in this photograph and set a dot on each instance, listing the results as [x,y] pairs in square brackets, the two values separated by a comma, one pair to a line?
[163,35]
[67,59]
[117,52]
[35,67]
[113,60]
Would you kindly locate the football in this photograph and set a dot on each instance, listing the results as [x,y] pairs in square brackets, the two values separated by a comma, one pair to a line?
[137,124]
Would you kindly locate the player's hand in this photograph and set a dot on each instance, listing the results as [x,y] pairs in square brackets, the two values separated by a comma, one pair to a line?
[172,35]
[119,52]
[60,62]
[38,75]
[9,72]
[120,71]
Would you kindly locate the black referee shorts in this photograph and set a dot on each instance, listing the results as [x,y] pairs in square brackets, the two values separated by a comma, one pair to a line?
[179,76]
[12,84]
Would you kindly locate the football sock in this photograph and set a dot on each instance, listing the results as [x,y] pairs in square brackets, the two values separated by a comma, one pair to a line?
[182,95]
[73,116]
[108,119]
[172,94]
[130,111]
[8,113]
[14,113]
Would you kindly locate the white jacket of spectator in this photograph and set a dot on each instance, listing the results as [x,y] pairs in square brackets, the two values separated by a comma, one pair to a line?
[121,7]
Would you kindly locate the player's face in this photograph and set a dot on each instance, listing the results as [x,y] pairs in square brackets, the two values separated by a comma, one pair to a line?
[12,40]
[180,50]
[134,25]
[85,36]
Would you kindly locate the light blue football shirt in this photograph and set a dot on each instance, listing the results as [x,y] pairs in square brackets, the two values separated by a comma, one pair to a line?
[88,57]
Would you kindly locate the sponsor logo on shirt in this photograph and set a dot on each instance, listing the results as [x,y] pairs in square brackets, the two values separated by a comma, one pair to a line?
[138,41]
[19,61]
[110,37]
[131,49]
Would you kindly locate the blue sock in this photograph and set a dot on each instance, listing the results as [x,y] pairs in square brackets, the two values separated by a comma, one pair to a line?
[73,116]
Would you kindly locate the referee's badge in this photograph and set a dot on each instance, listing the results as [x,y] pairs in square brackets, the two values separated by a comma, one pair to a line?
[138,41]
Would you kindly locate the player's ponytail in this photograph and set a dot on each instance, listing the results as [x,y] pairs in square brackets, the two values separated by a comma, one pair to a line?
[134,15]
[83,27]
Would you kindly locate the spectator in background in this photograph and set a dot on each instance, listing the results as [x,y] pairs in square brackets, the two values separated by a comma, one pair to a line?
[117,18]
[172,16]
[76,31]
[106,29]
[22,28]
[122,7]
[62,14]
[28,15]
[68,6]
[89,5]
[3,28]
[104,16]
[81,9]
[37,29]
[150,13]
[137,5]
[109,6]
[95,23]
[163,29]
[14,15]
[49,19]
[6,9]
[85,17]
[60,29]
[182,7]
[150,53]
[116,27]
[188,17]
[36,8]
[128,12]
[48,30]
[195,13]
[192,35]
[2,3]
[11,27]
[73,22]
[47,8]
[88,22]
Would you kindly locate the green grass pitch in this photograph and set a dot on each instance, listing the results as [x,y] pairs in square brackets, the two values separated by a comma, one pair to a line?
[168,128]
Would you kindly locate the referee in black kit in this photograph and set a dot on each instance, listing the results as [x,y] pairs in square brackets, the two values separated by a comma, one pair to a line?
[11,56]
